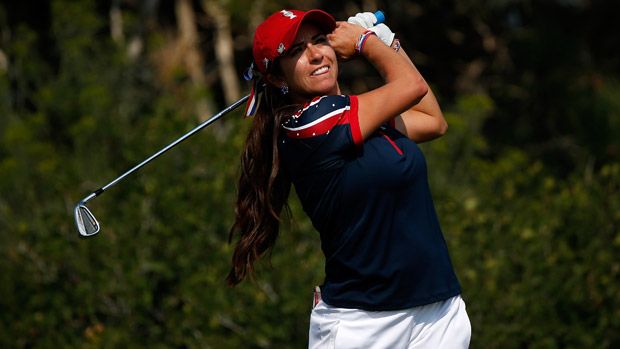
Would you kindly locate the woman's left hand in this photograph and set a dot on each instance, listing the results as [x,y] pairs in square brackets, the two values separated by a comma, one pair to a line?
[344,38]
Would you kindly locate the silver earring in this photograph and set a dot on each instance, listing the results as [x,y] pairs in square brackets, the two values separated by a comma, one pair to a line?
[284,89]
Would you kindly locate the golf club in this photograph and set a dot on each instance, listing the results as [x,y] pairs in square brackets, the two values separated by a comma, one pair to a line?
[86,222]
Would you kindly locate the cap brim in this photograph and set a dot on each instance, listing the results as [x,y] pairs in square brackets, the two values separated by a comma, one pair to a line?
[322,18]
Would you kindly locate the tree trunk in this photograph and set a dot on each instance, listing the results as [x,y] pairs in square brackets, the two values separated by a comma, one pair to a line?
[187,46]
[116,23]
[188,41]
[224,50]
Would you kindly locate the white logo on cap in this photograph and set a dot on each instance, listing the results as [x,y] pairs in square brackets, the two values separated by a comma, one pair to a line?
[288,14]
[266,62]
[281,48]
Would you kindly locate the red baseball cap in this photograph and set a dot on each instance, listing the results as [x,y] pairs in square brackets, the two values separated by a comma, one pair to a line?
[277,33]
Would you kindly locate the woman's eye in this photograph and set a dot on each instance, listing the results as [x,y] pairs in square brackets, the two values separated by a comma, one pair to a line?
[296,51]
[321,40]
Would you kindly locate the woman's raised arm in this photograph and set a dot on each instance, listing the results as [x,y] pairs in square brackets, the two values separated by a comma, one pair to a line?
[404,85]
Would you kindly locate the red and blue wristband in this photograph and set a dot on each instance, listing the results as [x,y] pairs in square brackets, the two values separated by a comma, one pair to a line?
[359,45]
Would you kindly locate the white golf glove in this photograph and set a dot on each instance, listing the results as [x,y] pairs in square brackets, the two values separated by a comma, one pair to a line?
[384,33]
[367,20]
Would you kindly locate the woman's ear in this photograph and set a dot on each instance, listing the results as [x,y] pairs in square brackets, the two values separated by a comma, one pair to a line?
[274,80]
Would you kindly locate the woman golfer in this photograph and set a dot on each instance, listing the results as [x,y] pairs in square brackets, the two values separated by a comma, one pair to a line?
[361,178]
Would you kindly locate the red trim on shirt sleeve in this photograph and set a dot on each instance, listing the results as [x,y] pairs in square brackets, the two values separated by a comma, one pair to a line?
[354,121]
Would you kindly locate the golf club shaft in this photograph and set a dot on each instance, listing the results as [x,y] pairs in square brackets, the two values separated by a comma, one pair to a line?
[380,18]
[168,147]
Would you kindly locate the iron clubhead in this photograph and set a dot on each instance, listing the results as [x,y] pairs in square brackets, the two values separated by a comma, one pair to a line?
[86,222]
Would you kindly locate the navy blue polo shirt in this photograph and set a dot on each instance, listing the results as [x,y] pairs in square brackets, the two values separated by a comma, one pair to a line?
[371,203]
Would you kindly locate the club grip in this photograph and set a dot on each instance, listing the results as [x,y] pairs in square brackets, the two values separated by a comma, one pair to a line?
[380,17]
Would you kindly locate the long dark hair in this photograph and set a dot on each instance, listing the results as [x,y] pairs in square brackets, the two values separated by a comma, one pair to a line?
[262,190]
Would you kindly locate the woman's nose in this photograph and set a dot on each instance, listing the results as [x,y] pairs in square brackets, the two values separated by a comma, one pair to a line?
[313,52]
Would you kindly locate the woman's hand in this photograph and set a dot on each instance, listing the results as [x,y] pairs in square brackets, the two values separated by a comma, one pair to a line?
[344,38]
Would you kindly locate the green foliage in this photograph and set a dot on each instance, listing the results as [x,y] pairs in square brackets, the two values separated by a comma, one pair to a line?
[534,253]
[534,242]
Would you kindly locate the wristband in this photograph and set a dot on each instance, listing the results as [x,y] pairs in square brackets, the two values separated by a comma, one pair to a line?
[396,45]
[359,46]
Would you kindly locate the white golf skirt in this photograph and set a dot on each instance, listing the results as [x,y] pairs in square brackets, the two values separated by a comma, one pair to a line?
[438,325]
